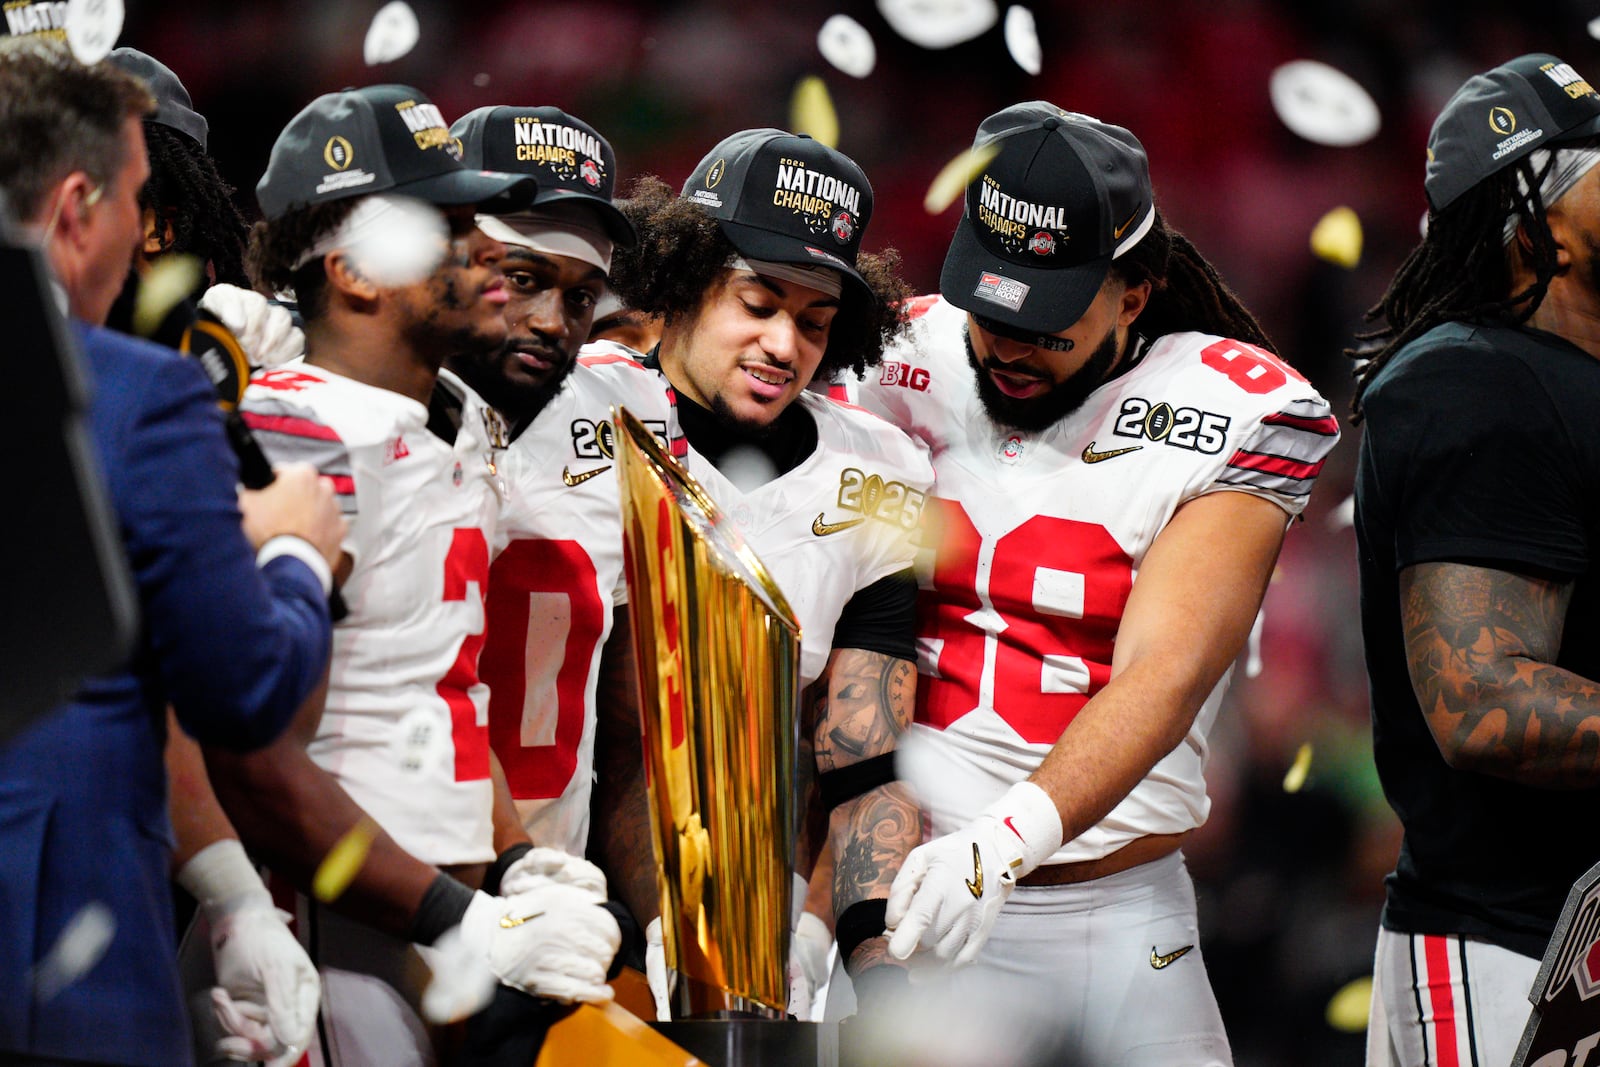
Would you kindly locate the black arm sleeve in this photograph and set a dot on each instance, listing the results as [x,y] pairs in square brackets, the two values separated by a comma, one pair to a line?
[881,618]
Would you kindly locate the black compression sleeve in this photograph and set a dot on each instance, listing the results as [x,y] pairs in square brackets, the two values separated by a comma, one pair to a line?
[881,618]
[444,905]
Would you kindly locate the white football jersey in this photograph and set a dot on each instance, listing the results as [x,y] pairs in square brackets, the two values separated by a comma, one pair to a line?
[841,520]
[405,729]
[554,584]
[1036,539]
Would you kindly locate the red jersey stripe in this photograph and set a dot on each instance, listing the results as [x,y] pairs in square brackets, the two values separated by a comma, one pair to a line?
[1436,950]
[1327,425]
[1288,468]
[343,484]
[290,426]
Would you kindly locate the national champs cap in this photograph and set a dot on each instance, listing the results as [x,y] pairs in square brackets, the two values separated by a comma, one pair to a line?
[785,198]
[1503,114]
[1064,195]
[174,109]
[377,139]
[571,161]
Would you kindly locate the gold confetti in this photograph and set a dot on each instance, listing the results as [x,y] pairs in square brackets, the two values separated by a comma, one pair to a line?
[957,174]
[1296,778]
[811,111]
[1351,1007]
[339,867]
[168,281]
[1337,238]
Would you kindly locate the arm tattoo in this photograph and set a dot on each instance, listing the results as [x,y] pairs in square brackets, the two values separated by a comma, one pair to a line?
[1481,646]
[871,837]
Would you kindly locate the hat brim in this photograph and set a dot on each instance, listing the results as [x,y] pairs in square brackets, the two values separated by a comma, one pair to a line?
[1588,128]
[493,192]
[1055,298]
[616,225]
[756,243]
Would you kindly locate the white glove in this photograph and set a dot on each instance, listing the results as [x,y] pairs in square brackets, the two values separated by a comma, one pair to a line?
[552,866]
[949,891]
[655,970]
[266,331]
[554,941]
[267,989]
[808,963]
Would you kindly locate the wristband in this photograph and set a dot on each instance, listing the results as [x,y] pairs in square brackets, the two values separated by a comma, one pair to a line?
[1028,816]
[503,863]
[443,907]
[300,549]
[221,875]
[861,921]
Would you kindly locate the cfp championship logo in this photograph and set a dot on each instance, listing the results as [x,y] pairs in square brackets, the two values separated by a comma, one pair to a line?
[825,203]
[1160,422]
[596,439]
[1579,959]
[868,496]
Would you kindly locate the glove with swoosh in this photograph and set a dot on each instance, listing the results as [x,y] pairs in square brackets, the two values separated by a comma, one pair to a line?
[950,890]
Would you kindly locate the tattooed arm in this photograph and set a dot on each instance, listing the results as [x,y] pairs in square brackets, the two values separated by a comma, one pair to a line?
[862,703]
[1481,646]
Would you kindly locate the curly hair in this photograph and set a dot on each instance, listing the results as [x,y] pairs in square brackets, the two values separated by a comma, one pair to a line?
[205,220]
[1460,271]
[276,245]
[1186,291]
[681,251]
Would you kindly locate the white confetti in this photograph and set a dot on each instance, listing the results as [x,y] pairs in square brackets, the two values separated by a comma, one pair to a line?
[481,80]
[1342,515]
[92,28]
[409,244]
[393,33]
[1594,29]
[846,44]
[1323,105]
[1022,40]
[79,947]
[939,23]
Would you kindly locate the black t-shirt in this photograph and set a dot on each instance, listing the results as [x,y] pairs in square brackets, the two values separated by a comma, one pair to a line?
[1481,447]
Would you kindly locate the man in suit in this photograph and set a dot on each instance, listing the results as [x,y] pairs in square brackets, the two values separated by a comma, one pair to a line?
[234,631]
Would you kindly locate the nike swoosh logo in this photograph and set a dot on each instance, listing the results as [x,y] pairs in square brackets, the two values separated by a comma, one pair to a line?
[1161,963]
[1091,456]
[568,478]
[823,529]
[975,883]
[1012,827]
[1116,234]
[511,922]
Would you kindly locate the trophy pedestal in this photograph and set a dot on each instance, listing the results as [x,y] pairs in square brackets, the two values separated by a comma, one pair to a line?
[755,1042]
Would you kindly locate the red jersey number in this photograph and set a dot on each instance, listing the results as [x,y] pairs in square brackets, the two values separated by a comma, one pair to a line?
[466,574]
[1255,370]
[546,587]
[1042,647]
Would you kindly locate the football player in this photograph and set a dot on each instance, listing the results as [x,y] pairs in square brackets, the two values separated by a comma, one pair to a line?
[1118,453]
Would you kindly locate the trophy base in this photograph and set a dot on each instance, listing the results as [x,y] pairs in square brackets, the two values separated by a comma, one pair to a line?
[733,1042]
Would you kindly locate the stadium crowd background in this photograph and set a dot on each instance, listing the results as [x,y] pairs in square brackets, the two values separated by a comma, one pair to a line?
[1290,882]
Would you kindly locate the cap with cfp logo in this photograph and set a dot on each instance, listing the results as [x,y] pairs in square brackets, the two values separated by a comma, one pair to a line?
[1063,196]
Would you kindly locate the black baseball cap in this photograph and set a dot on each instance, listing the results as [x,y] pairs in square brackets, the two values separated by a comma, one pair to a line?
[1063,196]
[1502,115]
[786,198]
[173,106]
[571,161]
[377,139]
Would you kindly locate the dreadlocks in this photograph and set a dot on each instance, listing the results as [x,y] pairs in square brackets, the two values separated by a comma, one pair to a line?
[1460,271]
[186,192]
[1186,291]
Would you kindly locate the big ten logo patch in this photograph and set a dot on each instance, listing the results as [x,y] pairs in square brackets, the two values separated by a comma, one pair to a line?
[904,375]
[871,497]
[597,439]
[1190,428]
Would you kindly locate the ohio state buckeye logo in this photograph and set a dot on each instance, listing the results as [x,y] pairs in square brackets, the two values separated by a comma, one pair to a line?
[590,173]
[1042,243]
[843,227]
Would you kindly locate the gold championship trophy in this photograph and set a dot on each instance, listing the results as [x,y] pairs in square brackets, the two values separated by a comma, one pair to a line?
[719,666]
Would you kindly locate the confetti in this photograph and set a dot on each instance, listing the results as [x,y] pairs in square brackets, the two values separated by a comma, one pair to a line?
[1351,1007]
[1594,28]
[939,23]
[343,861]
[403,247]
[957,174]
[1337,238]
[481,80]
[169,281]
[1323,105]
[846,44]
[1343,514]
[78,948]
[811,111]
[1295,780]
[393,33]
[1022,40]
[92,28]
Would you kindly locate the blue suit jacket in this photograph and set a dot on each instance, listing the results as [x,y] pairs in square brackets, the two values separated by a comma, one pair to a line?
[234,649]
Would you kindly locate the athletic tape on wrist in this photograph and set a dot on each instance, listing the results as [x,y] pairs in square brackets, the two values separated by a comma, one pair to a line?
[443,907]
[861,921]
[847,783]
[503,863]
[1028,816]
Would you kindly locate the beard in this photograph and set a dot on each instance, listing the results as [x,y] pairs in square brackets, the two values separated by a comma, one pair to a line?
[489,372]
[1038,413]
